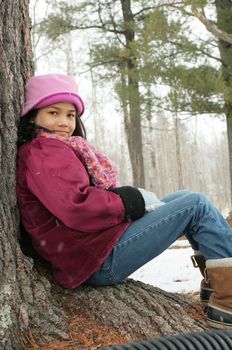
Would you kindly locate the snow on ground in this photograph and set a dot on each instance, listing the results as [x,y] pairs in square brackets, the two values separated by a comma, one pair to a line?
[172,270]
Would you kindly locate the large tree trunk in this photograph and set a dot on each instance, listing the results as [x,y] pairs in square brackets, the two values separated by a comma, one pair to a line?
[24,294]
[224,15]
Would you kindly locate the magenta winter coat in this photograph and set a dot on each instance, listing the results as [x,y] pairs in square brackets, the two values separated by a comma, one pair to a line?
[73,224]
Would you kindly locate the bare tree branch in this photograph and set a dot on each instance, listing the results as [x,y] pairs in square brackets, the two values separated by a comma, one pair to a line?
[145,9]
[114,24]
[101,26]
[35,42]
[210,25]
[212,28]
[157,129]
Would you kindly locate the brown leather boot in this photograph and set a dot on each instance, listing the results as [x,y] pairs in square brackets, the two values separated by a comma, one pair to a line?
[205,288]
[219,311]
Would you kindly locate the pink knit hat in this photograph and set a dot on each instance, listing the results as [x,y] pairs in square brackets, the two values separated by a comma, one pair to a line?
[44,90]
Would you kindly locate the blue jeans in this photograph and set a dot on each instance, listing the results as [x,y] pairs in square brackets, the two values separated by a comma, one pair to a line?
[184,212]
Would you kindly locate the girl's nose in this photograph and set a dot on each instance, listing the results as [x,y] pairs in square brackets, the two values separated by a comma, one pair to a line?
[63,120]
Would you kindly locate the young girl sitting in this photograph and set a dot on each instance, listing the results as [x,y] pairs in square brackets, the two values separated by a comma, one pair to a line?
[89,228]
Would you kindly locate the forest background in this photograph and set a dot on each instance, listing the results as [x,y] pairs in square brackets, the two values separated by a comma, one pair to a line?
[154,83]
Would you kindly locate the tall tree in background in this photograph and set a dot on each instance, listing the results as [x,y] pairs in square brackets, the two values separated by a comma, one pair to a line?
[224,15]
[132,104]
[221,28]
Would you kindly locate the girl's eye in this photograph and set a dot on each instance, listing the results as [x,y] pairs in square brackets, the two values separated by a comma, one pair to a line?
[71,115]
[53,112]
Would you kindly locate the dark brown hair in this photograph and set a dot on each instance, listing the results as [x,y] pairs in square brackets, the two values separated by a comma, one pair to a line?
[27,130]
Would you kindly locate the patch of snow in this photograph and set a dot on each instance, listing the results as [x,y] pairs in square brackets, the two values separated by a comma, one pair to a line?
[172,270]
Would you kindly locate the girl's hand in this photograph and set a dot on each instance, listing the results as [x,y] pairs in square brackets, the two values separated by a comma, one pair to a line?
[150,199]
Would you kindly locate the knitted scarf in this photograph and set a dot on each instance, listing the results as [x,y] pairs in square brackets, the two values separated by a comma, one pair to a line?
[102,171]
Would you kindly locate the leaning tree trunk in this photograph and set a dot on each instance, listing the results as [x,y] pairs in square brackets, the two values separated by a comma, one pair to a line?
[25,298]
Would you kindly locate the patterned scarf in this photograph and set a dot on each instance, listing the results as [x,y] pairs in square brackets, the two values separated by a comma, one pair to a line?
[102,171]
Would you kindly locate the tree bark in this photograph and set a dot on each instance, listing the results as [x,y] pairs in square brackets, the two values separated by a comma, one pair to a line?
[25,298]
[140,311]
[128,312]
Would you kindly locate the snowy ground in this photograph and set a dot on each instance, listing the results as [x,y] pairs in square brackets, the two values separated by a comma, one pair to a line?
[172,270]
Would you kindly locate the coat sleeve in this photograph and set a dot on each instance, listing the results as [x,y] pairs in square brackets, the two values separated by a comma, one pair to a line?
[56,176]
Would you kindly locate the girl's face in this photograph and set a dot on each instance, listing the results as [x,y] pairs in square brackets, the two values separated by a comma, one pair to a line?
[59,118]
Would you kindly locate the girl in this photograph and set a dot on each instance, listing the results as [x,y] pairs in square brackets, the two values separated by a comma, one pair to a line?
[88,227]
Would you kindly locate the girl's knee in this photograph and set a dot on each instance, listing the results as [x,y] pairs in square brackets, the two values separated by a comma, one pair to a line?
[199,197]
